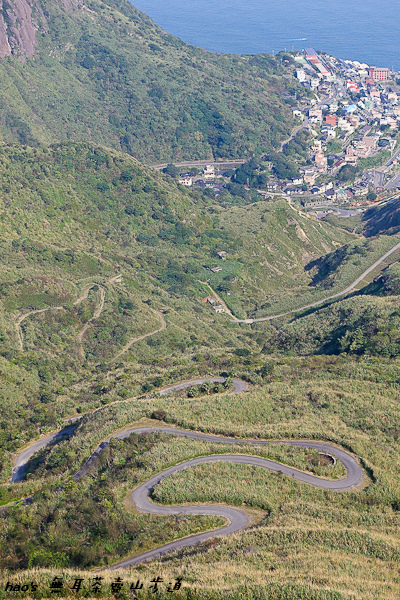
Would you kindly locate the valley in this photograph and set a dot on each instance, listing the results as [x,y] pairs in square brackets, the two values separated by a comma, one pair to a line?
[199,315]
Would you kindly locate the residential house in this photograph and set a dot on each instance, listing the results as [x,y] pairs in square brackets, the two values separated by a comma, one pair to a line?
[219,308]
[209,172]
[187,181]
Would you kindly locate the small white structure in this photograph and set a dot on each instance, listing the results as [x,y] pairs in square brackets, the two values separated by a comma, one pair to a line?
[297,181]
[219,308]
[301,75]
[209,172]
[187,181]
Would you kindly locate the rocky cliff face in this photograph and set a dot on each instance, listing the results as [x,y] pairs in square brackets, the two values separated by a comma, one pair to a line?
[20,23]
[17,28]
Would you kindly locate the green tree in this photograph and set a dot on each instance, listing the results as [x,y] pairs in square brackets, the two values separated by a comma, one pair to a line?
[171,170]
[205,387]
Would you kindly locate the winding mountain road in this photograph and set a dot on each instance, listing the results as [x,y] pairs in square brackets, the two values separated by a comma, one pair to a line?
[21,462]
[238,519]
[332,297]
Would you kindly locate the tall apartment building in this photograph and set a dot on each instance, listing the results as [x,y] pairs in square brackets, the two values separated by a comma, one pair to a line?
[379,74]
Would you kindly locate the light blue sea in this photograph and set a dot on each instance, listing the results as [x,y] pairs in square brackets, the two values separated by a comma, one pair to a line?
[364,30]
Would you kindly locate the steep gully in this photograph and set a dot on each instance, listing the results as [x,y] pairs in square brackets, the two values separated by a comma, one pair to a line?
[238,519]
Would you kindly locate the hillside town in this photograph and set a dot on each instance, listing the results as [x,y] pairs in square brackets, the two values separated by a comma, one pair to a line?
[353,117]
[350,112]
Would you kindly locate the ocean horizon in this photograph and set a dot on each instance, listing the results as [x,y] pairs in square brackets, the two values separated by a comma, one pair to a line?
[361,30]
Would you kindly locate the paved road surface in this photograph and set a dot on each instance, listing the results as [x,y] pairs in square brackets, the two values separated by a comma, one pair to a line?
[342,293]
[20,463]
[393,183]
[239,386]
[238,518]
[202,163]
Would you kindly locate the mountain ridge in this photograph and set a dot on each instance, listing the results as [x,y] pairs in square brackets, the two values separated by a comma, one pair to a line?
[105,73]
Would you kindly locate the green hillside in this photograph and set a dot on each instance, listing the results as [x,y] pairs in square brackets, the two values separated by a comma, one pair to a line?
[107,272]
[367,323]
[101,305]
[102,263]
[104,72]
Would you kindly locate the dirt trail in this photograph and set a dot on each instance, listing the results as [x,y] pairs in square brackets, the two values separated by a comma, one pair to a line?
[85,294]
[228,312]
[96,315]
[295,131]
[142,337]
[18,322]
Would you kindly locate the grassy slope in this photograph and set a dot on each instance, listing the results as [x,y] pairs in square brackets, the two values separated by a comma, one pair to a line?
[385,219]
[140,89]
[366,322]
[307,538]
[74,217]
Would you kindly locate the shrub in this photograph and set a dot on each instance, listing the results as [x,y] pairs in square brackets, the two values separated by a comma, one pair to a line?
[159,414]
[193,391]
[242,352]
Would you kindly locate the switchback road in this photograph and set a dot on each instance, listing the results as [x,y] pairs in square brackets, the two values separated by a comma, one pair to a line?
[237,518]
[22,459]
[20,463]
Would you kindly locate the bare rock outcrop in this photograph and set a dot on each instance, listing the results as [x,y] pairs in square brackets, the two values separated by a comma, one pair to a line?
[20,20]
[17,33]
[5,48]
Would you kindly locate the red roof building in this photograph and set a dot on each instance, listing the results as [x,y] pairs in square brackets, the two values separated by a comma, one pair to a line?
[331,120]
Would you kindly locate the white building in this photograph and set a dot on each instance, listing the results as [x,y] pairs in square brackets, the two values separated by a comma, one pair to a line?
[297,113]
[301,75]
[188,181]
[209,172]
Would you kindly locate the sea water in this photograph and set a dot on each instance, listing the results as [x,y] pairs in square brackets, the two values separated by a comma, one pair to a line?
[363,30]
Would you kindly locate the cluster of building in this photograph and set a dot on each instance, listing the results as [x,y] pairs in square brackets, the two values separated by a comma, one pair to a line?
[219,308]
[356,105]
[206,179]
[353,114]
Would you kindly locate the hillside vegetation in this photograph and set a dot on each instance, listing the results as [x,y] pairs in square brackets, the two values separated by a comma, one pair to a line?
[100,284]
[104,72]
[297,530]
[106,271]
[101,305]
[382,219]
